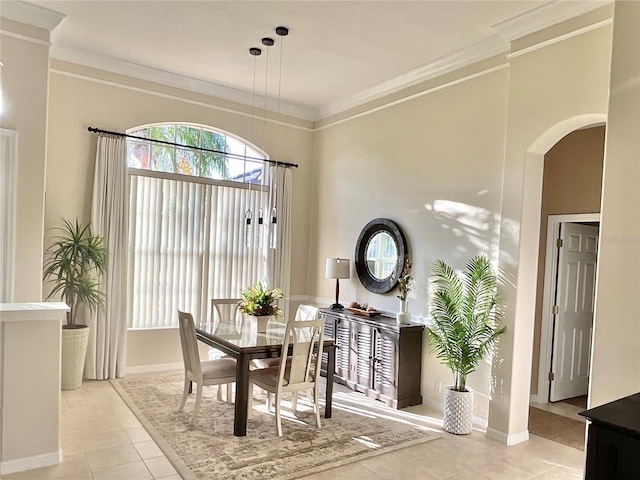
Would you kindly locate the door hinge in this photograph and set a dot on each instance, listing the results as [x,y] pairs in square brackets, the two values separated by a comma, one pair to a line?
[552,377]
[559,243]
[556,309]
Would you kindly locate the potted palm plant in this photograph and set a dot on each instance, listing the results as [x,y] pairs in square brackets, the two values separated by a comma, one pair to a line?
[74,265]
[463,331]
[260,303]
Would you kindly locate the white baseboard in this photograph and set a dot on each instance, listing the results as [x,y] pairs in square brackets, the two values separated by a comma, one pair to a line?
[29,463]
[159,367]
[509,440]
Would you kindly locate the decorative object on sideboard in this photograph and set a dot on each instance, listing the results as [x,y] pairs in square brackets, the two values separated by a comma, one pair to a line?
[337,268]
[363,309]
[75,264]
[405,285]
[380,255]
[463,332]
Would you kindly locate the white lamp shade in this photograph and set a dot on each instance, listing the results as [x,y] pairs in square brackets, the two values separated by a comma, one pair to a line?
[337,268]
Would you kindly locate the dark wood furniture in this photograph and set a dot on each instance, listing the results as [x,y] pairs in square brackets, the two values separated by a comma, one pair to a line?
[613,446]
[249,344]
[376,356]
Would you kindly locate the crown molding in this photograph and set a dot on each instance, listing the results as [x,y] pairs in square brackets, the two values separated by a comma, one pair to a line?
[142,72]
[534,20]
[481,50]
[31,14]
[545,16]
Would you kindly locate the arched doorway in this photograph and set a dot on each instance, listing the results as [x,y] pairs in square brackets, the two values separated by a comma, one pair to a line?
[531,217]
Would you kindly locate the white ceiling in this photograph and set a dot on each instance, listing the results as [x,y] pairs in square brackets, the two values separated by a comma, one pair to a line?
[338,53]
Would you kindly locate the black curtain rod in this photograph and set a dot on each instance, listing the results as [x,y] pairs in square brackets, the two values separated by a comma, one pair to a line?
[202,149]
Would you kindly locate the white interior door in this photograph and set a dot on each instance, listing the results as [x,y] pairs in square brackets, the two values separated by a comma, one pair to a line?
[573,320]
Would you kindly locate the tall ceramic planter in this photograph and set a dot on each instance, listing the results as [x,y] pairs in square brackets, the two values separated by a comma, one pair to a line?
[74,351]
[458,411]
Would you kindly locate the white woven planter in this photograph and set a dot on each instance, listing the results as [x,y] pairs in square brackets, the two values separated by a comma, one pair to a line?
[74,351]
[458,411]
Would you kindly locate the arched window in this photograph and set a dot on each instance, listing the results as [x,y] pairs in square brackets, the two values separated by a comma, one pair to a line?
[214,154]
[187,214]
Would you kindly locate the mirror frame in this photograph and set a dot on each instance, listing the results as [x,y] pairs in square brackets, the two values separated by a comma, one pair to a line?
[370,282]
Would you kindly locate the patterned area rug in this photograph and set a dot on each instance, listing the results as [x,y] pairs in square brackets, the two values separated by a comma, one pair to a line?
[210,451]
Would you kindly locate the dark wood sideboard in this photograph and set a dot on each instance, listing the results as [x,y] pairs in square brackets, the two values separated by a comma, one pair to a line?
[613,446]
[376,356]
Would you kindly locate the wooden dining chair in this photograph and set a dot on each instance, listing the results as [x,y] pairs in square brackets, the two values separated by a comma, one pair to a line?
[300,372]
[303,313]
[204,373]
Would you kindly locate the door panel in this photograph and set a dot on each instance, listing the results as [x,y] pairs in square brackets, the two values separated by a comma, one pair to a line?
[342,334]
[575,300]
[384,363]
[362,341]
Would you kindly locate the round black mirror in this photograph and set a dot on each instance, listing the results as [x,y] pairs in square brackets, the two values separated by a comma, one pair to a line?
[380,254]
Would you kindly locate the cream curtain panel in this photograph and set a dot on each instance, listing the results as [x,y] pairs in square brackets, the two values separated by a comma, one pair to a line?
[279,259]
[106,354]
[187,246]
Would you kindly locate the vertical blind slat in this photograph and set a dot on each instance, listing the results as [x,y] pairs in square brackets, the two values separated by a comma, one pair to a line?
[187,246]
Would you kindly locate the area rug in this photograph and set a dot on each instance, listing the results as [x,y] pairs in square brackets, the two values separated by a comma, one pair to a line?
[557,428]
[210,451]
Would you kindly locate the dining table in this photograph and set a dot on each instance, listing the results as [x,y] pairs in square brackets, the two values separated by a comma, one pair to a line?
[244,341]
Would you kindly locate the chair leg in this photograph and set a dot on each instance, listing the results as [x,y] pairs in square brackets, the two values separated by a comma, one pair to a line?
[316,406]
[185,392]
[278,419]
[219,393]
[229,387]
[269,401]
[294,401]
[197,406]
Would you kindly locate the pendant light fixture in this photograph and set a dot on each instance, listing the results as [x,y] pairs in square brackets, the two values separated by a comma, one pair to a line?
[259,236]
[248,216]
[267,42]
[273,230]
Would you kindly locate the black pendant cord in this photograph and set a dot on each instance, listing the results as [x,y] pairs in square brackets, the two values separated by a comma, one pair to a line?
[201,149]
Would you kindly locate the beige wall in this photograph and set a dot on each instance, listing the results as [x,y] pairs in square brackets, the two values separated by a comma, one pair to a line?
[615,357]
[30,339]
[572,183]
[433,165]
[25,58]
[548,88]
[82,97]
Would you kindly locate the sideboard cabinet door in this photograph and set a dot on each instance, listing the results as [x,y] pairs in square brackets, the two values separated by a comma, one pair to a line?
[385,363]
[377,357]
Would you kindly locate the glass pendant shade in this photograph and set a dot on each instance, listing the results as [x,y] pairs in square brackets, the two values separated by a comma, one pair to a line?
[259,230]
[273,231]
[247,228]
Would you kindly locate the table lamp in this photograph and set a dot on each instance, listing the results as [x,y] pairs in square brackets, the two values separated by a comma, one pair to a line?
[337,268]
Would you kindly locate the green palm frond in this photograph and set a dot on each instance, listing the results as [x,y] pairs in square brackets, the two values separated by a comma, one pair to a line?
[463,311]
[74,264]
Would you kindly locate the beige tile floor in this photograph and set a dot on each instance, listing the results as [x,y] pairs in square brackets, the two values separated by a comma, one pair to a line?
[102,440]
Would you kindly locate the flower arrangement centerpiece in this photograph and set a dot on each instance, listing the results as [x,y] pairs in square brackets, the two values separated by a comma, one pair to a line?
[405,280]
[259,301]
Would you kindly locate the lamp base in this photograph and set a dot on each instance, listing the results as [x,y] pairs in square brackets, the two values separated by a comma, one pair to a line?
[337,306]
